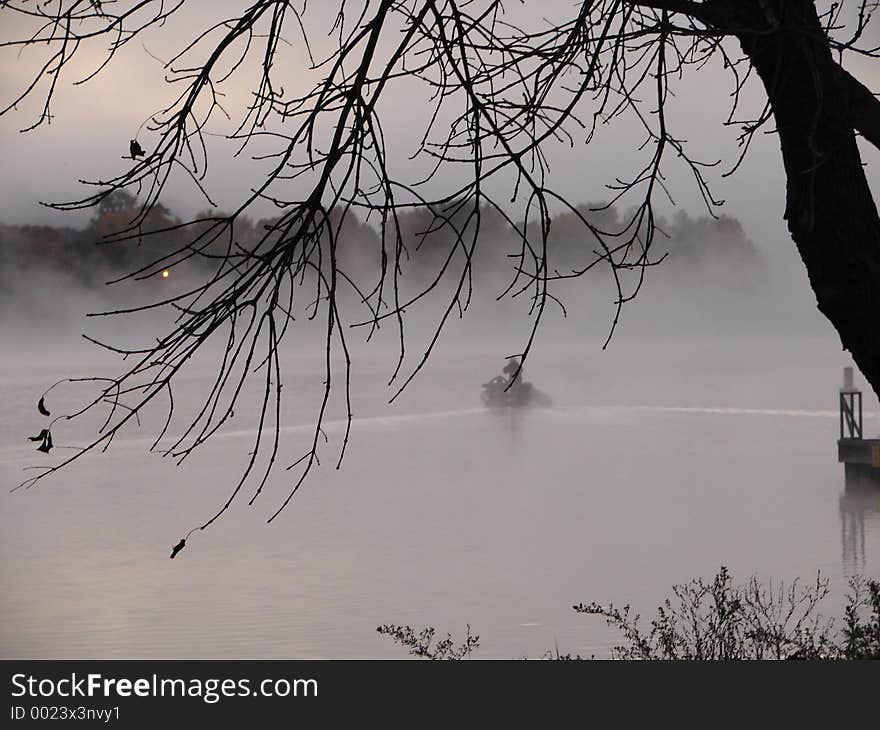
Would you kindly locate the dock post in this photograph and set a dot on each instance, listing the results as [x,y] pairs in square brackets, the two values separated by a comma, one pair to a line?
[860,456]
[850,408]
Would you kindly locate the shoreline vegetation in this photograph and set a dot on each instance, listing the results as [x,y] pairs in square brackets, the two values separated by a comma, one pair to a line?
[716,620]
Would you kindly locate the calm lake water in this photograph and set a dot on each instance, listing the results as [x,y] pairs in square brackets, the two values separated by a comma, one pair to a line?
[659,462]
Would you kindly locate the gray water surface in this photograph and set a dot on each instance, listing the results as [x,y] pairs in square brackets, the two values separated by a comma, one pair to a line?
[655,465]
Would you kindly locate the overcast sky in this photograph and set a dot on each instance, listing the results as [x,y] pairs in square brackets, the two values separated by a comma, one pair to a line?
[93,122]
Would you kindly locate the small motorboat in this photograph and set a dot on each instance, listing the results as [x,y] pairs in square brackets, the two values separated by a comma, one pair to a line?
[498,393]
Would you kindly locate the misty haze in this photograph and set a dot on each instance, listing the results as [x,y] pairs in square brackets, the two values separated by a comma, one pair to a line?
[693,427]
[703,435]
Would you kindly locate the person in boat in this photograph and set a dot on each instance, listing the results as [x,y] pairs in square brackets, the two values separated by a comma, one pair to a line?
[514,373]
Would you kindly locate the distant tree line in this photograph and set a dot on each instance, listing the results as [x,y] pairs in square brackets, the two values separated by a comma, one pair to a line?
[86,256]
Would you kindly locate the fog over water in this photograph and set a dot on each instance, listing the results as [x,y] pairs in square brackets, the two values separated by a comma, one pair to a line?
[704,435]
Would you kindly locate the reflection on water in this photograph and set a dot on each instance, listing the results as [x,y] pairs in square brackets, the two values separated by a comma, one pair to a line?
[859,504]
[443,514]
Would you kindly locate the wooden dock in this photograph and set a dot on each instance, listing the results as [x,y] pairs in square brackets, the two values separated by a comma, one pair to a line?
[860,456]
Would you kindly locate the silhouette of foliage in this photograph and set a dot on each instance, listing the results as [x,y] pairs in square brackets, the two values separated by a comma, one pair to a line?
[720,621]
[861,630]
[422,644]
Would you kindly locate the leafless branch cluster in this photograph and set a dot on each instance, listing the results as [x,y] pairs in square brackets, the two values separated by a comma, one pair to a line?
[422,644]
[718,620]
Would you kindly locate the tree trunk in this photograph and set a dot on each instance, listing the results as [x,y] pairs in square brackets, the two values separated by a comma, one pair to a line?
[830,211]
